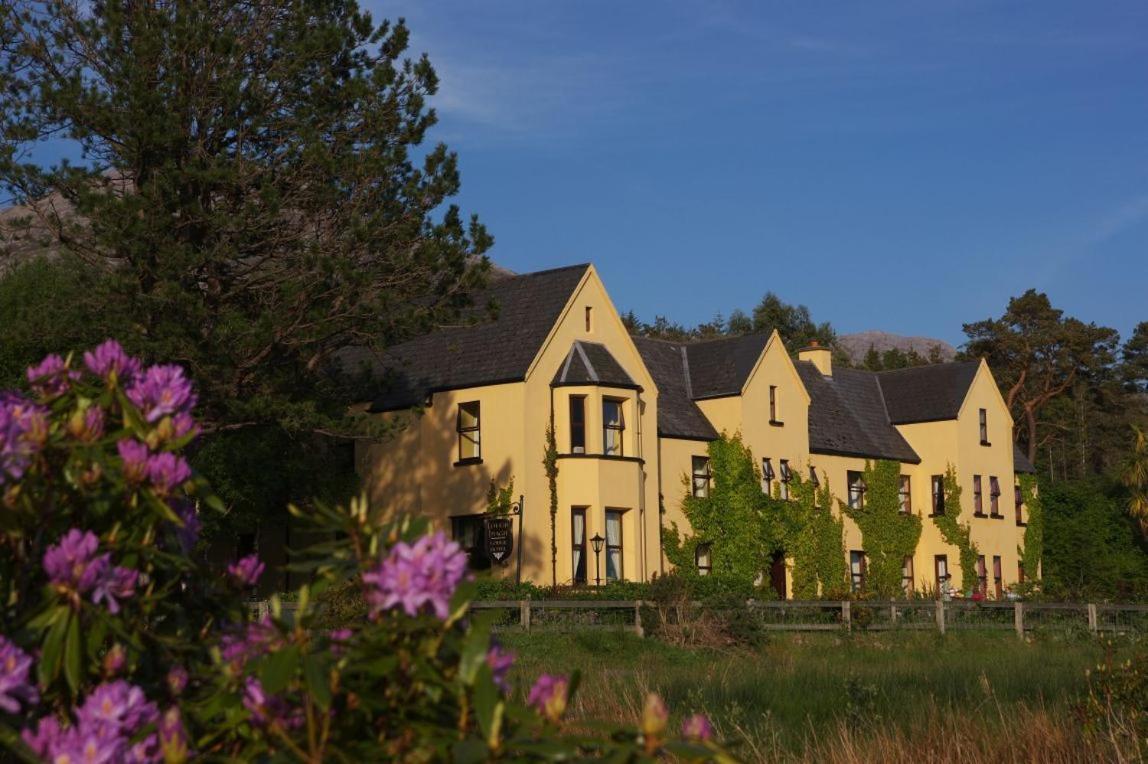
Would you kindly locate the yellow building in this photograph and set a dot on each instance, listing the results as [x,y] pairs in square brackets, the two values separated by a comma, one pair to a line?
[632,418]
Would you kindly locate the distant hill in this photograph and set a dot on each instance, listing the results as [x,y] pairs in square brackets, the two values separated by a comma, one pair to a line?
[857,345]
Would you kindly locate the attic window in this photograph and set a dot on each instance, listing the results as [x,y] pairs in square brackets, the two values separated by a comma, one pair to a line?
[773,406]
[589,319]
[984,424]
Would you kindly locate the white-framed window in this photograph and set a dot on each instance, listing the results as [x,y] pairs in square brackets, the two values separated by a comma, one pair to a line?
[856,482]
[786,476]
[703,560]
[613,427]
[614,570]
[857,570]
[905,493]
[767,476]
[469,426]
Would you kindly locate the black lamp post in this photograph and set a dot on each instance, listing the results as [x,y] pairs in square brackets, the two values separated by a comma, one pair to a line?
[596,542]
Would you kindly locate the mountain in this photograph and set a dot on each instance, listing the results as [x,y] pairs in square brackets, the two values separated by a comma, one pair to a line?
[858,344]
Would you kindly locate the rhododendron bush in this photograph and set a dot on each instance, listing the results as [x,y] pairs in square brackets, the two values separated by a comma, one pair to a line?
[116,645]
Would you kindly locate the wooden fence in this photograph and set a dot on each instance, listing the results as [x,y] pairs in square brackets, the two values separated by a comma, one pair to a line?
[819,615]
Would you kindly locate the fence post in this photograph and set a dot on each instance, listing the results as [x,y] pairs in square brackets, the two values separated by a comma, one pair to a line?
[1018,618]
[893,614]
[941,615]
[846,616]
[524,614]
[1092,619]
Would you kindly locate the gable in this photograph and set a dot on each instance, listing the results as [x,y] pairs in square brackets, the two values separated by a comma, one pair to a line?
[491,350]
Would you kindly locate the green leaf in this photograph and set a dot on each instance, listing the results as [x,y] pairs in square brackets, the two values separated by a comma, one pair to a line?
[317,677]
[279,668]
[48,667]
[488,706]
[73,654]
[474,650]
[469,752]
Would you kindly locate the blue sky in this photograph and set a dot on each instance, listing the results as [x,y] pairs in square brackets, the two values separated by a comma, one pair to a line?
[897,166]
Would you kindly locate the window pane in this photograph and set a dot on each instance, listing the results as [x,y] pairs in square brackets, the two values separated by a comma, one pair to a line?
[577,423]
[578,533]
[614,565]
[613,528]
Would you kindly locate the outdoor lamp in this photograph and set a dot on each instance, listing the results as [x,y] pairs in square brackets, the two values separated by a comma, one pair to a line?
[597,542]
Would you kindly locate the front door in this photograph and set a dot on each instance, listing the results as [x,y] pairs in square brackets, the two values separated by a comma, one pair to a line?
[777,574]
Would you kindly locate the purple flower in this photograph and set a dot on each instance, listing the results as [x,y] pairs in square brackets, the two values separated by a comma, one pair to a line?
[187,534]
[259,637]
[697,727]
[51,377]
[177,680]
[23,431]
[135,457]
[167,471]
[73,563]
[172,736]
[43,737]
[117,708]
[15,687]
[500,662]
[183,424]
[548,696]
[109,359]
[340,638]
[267,710]
[116,584]
[247,571]
[414,575]
[115,659]
[162,391]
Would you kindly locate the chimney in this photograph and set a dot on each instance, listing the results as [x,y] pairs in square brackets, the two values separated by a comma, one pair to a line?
[821,357]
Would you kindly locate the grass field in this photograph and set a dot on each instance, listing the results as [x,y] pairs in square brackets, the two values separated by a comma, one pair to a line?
[818,697]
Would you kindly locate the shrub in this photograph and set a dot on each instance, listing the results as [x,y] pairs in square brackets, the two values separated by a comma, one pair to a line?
[116,645]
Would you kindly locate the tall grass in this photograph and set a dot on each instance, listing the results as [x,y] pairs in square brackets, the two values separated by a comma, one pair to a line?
[888,697]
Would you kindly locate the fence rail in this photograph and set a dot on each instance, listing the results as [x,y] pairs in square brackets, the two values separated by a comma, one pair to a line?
[821,615]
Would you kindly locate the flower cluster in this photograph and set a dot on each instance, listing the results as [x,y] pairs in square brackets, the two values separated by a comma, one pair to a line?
[109,362]
[413,575]
[548,696]
[74,566]
[269,710]
[15,686]
[246,572]
[165,471]
[107,727]
[697,727]
[162,391]
[23,430]
[51,377]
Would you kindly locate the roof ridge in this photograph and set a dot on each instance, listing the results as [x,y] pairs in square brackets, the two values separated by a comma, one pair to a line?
[942,364]
[586,360]
[546,271]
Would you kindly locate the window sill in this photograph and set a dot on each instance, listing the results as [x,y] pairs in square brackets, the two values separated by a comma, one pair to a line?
[776,423]
[985,443]
[607,457]
[468,462]
[979,514]
[997,517]
[936,514]
[1022,525]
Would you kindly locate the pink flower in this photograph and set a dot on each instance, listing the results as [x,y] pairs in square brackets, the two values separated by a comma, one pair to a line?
[247,571]
[500,662]
[51,377]
[15,685]
[117,584]
[134,455]
[109,361]
[548,696]
[697,727]
[267,710]
[73,563]
[167,471]
[87,424]
[23,432]
[162,391]
[177,680]
[413,575]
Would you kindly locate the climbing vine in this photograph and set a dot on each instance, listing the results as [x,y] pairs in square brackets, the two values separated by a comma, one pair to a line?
[888,535]
[550,462]
[814,539]
[732,517]
[499,500]
[956,533]
[1034,533]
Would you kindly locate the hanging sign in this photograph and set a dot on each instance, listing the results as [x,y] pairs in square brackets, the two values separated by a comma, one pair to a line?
[499,538]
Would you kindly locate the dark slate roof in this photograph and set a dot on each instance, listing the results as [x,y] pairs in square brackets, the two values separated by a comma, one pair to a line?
[678,415]
[490,351]
[927,393]
[721,367]
[847,416]
[590,363]
[1020,462]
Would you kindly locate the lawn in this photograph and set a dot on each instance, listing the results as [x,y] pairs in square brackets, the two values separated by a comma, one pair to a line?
[898,696]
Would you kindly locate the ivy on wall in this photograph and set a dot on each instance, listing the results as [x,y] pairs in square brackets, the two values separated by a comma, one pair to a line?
[888,535]
[815,540]
[550,462]
[956,533]
[731,518]
[500,500]
[1034,533]
[744,527]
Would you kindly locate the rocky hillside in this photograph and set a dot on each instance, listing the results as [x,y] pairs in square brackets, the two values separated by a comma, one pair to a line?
[857,345]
